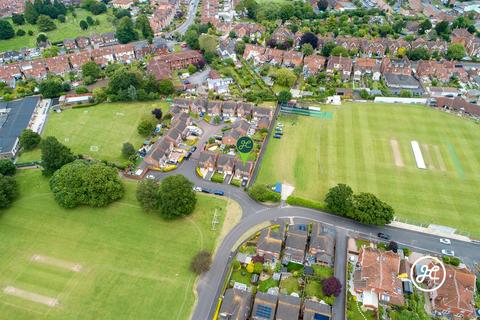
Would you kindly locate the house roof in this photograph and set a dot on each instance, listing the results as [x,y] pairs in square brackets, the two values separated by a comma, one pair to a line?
[241,168]
[271,239]
[264,306]
[207,157]
[288,307]
[225,160]
[321,241]
[313,309]
[401,81]
[236,305]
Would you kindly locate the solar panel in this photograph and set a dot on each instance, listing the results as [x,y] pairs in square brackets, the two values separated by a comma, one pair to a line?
[318,316]
[263,311]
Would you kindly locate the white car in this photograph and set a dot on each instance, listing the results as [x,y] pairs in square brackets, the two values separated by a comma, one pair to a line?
[445,241]
[448,252]
[198,189]
[150,176]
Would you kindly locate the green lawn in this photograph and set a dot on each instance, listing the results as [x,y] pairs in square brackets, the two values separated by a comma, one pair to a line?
[69,29]
[104,127]
[355,148]
[133,265]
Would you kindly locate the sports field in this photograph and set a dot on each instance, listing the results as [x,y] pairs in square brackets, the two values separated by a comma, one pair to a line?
[368,146]
[111,263]
[98,131]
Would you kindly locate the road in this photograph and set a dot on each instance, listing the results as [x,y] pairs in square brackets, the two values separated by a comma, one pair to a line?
[254,214]
[192,10]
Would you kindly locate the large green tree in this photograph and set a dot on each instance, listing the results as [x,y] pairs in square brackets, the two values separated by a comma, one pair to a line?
[125,31]
[8,191]
[148,194]
[143,25]
[29,139]
[31,14]
[54,155]
[285,77]
[369,209]
[6,30]
[122,79]
[177,198]
[45,23]
[86,183]
[456,51]
[52,87]
[339,199]
[91,69]
[7,167]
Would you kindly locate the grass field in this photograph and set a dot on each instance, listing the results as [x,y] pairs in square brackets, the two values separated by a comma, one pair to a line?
[357,148]
[104,127]
[69,29]
[133,265]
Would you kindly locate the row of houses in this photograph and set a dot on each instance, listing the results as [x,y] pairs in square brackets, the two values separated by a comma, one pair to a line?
[227,165]
[161,66]
[163,15]
[381,278]
[300,244]
[60,65]
[218,13]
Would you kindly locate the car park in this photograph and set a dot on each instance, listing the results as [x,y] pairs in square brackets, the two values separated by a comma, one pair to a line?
[383,236]
[445,241]
[447,252]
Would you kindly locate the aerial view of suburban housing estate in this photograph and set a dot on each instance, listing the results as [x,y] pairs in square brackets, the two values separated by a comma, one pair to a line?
[240,159]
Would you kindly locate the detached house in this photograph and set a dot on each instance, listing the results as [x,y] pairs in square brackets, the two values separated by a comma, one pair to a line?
[313,310]
[295,244]
[199,105]
[229,109]
[342,65]
[244,109]
[182,104]
[236,304]
[259,112]
[376,278]
[322,246]
[366,67]
[214,108]
[269,243]
[313,64]
[253,31]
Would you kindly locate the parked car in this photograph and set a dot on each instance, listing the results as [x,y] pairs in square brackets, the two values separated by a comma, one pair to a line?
[150,176]
[192,149]
[383,236]
[188,156]
[198,189]
[205,190]
[445,241]
[277,136]
[244,182]
[218,192]
[447,252]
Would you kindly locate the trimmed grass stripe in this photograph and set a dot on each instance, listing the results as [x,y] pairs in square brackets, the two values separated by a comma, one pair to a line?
[456,161]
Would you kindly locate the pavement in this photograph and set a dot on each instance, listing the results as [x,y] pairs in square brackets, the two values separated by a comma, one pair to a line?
[255,214]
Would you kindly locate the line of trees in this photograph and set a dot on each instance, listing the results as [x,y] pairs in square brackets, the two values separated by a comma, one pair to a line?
[363,207]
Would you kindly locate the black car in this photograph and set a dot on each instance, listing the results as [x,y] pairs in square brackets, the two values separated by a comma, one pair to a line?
[383,236]
[205,190]
[188,156]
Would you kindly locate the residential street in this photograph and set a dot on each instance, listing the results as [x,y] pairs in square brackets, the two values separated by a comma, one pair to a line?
[255,214]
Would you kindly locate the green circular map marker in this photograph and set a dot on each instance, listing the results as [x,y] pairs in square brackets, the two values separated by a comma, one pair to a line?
[244,147]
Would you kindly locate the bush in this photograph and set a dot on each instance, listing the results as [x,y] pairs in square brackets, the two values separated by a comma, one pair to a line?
[262,193]
[146,127]
[407,252]
[332,287]
[86,183]
[297,201]
[8,191]
[454,261]
[7,167]
[128,150]
[217,177]
[201,262]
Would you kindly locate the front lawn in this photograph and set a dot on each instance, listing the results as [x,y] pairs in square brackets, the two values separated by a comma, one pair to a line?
[98,131]
[218,177]
[133,265]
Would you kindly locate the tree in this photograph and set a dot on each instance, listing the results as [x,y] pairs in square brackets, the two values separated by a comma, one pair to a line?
[18,19]
[125,31]
[8,191]
[310,38]
[240,47]
[172,205]
[128,150]
[6,30]
[322,5]
[157,113]
[369,209]
[339,199]
[327,48]
[456,52]
[52,87]
[307,49]
[143,25]
[208,43]
[83,25]
[192,69]
[284,96]
[45,23]
[285,77]
[257,267]
[90,21]
[42,38]
[146,127]
[420,53]
[201,262]
[83,182]
[122,79]
[120,13]
[94,6]
[339,51]
[165,87]
[443,28]
[54,155]
[392,246]
[61,18]
[332,287]
[147,194]
[7,167]
[30,13]
[91,69]
[425,25]
[29,140]
[20,33]
[191,39]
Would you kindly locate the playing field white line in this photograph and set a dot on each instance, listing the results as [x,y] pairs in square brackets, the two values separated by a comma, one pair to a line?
[417,153]
[75,267]
[35,297]
[397,156]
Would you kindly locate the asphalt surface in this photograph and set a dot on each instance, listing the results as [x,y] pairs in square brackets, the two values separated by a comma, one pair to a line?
[192,10]
[254,214]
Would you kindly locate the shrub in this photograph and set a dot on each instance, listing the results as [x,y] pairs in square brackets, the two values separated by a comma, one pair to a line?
[297,201]
[407,252]
[7,167]
[262,193]
[29,140]
[128,150]
[217,177]
[332,287]
[201,262]
[8,191]
[147,194]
